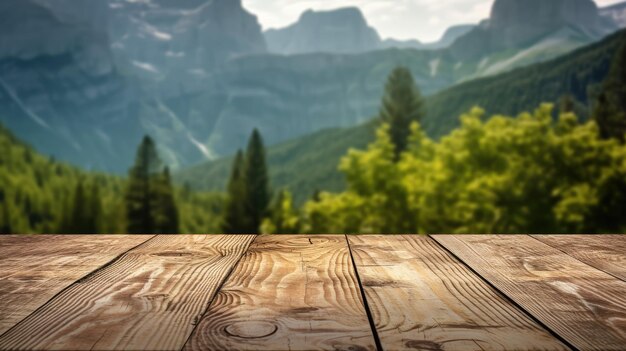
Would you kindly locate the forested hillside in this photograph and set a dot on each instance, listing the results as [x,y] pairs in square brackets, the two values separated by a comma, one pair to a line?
[41,195]
[309,163]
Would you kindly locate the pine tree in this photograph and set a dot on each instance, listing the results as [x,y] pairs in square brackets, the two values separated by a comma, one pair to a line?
[401,105]
[95,210]
[82,214]
[5,222]
[610,109]
[234,218]
[165,209]
[140,195]
[256,184]
[78,216]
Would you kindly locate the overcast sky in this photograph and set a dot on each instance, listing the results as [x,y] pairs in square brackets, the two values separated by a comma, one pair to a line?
[425,20]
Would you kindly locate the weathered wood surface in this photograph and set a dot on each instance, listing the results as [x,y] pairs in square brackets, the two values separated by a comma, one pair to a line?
[34,268]
[604,252]
[288,293]
[423,298]
[148,299]
[584,306]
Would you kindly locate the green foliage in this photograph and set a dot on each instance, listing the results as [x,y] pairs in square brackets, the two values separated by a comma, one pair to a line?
[150,204]
[284,218]
[234,210]
[310,162]
[527,174]
[40,195]
[82,214]
[256,184]
[401,106]
[610,109]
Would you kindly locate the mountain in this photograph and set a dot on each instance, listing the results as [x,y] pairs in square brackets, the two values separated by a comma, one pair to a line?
[616,13]
[176,45]
[343,31]
[449,37]
[527,24]
[338,31]
[59,87]
[85,84]
[310,163]
[84,81]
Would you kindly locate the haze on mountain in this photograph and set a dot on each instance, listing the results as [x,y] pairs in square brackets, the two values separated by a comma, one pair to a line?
[84,81]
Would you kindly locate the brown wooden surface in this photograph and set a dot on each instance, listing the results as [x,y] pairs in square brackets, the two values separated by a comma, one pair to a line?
[583,305]
[288,293]
[34,268]
[304,293]
[423,298]
[604,252]
[149,299]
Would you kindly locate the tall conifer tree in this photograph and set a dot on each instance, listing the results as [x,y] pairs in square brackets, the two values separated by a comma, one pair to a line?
[401,105]
[234,218]
[610,109]
[256,184]
[166,211]
[140,195]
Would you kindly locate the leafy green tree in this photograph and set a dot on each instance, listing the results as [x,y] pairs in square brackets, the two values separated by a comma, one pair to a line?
[401,105]
[256,184]
[610,109]
[234,218]
[284,218]
[527,174]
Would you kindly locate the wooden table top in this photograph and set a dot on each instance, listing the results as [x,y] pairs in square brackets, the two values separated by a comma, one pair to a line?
[313,292]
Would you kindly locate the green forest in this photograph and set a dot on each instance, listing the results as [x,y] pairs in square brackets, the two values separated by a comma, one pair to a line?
[552,169]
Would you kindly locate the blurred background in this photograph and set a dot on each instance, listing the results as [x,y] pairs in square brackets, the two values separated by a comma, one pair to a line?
[274,116]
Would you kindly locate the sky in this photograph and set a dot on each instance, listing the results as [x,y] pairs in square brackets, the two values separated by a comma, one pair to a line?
[425,20]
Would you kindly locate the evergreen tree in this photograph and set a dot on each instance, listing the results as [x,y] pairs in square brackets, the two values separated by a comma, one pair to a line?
[5,219]
[140,195]
[610,109]
[78,217]
[256,184]
[165,209]
[82,214]
[401,105]
[233,221]
[95,210]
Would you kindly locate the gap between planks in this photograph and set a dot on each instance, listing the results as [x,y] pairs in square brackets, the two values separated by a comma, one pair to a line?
[150,298]
[579,303]
[35,269]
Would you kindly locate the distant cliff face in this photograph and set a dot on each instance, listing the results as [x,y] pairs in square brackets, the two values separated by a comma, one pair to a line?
[520,23]
[615,13]
[338,31]
[59,89]
[179,43]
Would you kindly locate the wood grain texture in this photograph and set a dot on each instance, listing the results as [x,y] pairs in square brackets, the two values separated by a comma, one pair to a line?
[149,299]
[423,298]
[33,268]
[604,252]
[583,305]
[288,293]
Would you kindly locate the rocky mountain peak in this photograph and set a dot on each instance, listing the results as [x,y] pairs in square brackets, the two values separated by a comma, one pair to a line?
[342,30]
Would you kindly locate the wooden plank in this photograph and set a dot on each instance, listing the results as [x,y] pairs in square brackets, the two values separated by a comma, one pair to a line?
[604,252]
[148,299]
[288,293]
[34,268]
[423,298]
[583,305]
